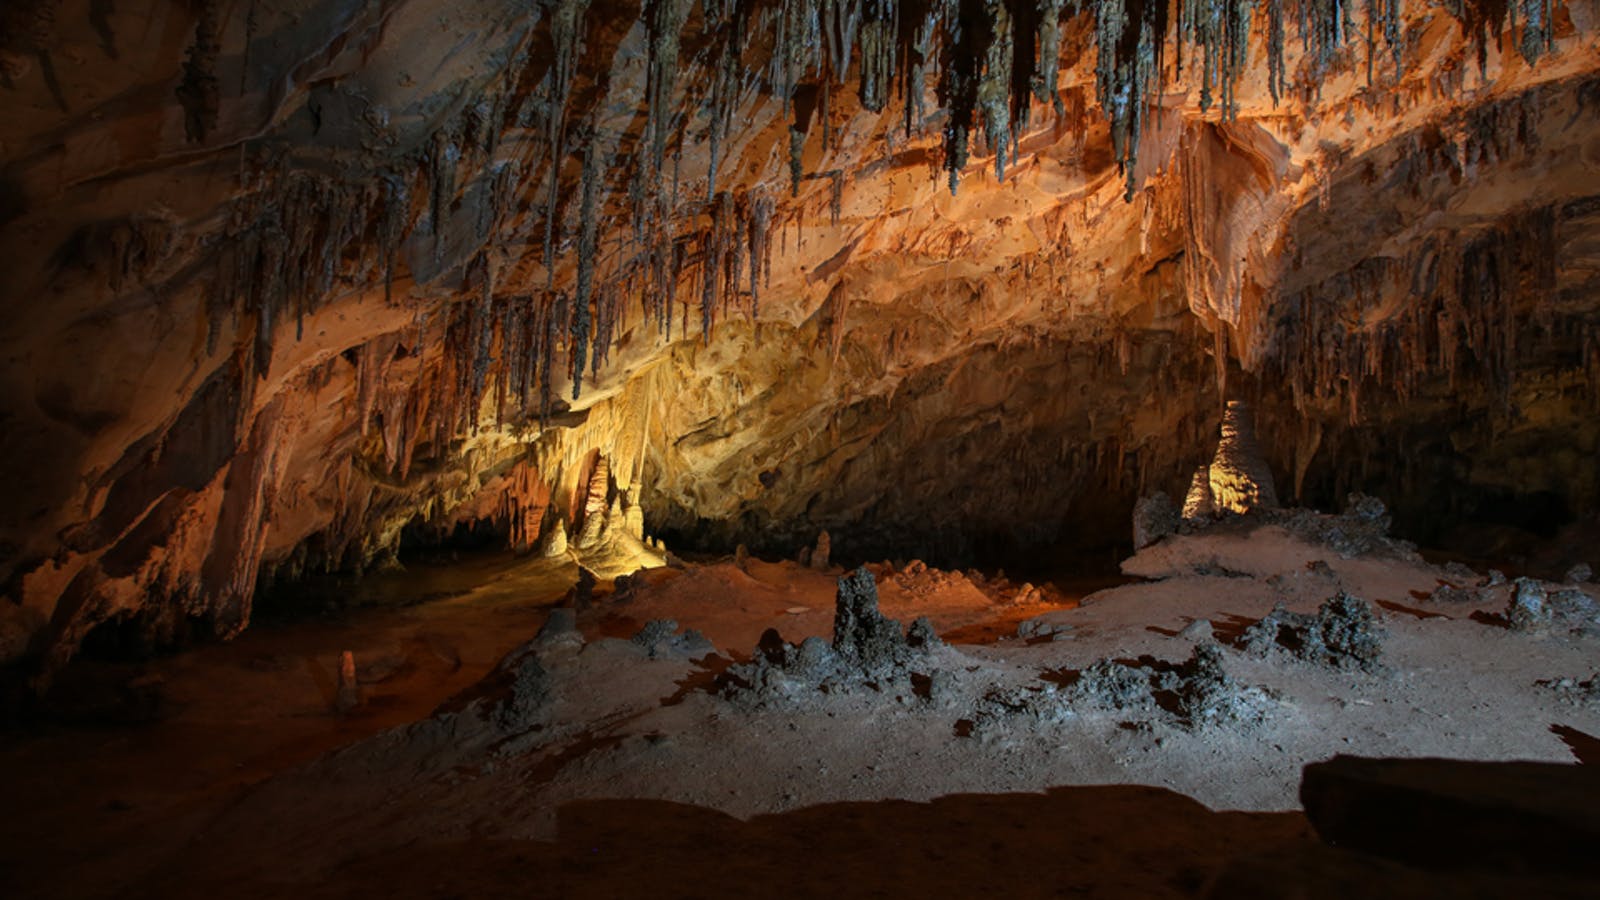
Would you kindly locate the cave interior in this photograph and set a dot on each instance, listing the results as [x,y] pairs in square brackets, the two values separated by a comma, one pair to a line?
[459,447]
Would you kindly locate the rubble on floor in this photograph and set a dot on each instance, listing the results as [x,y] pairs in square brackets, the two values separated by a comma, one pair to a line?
[1341,635]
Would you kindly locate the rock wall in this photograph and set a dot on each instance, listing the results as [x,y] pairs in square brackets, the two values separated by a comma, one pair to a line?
[289,276]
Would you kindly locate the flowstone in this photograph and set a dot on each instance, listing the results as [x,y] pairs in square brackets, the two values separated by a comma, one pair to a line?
[867,650]
[1342,634]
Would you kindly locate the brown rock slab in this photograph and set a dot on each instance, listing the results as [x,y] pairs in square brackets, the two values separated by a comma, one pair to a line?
[1516,817]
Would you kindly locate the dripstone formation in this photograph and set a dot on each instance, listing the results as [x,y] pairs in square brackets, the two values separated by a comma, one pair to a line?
[867,650]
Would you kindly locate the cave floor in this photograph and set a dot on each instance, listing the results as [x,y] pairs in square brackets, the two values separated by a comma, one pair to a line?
[637,775]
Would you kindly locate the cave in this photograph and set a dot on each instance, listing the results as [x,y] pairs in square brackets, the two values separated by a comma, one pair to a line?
[1124,448]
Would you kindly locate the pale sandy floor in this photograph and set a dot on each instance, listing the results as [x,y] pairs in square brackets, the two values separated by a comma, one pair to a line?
[643,776]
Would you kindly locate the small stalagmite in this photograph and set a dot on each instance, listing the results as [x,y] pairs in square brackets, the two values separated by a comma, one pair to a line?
[1198,503]
[594,504]
[819,555]
[633,515]
[1240,479]
[614,516]
[349,693]
[555,541]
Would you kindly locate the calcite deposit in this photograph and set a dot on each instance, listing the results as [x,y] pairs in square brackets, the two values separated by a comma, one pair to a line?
[290,281]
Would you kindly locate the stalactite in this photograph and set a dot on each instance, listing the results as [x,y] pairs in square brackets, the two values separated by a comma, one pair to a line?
[879,41]
[920,21]
[797,145]
[555,311]
[395,216]
[1277,77]
[1221,28]
[566,31]
[760,249]
[727,19]
[588,234]
[1127,64]
[443,173]
[1322,34]
[1538,28]
[1046,81]
[994,86]
[1384,18]
[797,44]
[665,24]
[481,329]
[200,93]
[1470,313]
[964,53]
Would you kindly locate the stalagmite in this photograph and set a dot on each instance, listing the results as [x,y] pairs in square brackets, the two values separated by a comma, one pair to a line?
[348,695]
[1198,503]
[554,542]
[1240,479]
[818,558]
[633,516]
[613,518]
[595,505]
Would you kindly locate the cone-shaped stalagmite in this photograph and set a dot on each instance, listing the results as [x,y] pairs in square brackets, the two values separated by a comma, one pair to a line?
[633,515]
[1240,479]
[555,541]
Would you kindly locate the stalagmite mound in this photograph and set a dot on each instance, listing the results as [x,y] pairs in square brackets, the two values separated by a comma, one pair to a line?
[867,649]
[1342,634]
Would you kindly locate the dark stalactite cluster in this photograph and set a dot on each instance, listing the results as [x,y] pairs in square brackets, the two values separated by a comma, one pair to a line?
[993,60]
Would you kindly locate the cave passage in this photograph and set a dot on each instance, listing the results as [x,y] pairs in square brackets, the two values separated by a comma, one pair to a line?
[453,447]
